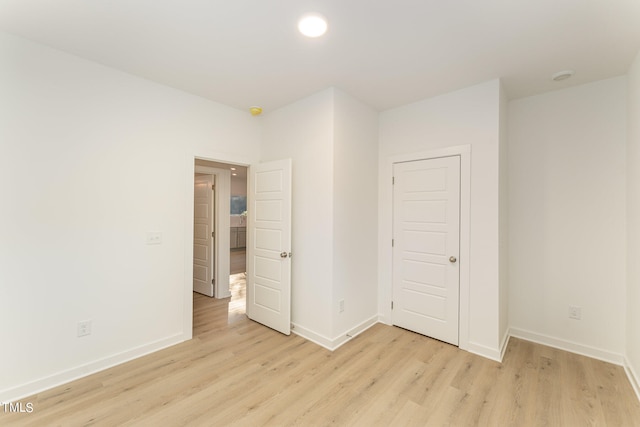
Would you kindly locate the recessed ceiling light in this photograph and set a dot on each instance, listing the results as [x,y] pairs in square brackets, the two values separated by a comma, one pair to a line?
[233,169]
[312,25]
[562,75]
[234,174]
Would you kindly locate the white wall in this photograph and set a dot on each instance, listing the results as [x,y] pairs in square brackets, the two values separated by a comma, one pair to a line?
[239,185]
[633,223]
[468,116]
[332,140]
[567,217]
[91,159]
[355,219]
[303,131]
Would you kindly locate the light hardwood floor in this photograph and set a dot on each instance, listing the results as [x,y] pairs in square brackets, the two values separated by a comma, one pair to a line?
[236,372]
[238,262]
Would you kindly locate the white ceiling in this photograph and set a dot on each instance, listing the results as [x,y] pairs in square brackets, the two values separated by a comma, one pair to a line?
[385,52]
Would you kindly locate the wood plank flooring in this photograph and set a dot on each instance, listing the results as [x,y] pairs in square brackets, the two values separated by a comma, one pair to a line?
[238,262]
[238,373]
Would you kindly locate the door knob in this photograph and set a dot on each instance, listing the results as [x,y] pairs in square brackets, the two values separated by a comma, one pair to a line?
[283,254]
[452,259]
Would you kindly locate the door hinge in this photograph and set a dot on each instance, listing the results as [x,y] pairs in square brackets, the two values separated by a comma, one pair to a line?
[391,305]
[393,180]
[213,234]
[393,242]
[213,186]
[213,281]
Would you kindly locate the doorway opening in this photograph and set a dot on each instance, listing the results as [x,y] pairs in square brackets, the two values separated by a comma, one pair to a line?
[224,250]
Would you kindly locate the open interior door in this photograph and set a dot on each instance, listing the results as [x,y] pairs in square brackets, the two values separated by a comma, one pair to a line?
[269,245]
[203,247]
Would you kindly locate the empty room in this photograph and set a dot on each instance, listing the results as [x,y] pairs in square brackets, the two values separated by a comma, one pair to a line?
[320,212]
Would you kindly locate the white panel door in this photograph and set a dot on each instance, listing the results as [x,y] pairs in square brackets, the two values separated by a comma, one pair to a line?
[269,245]
[426,233]
[203,210]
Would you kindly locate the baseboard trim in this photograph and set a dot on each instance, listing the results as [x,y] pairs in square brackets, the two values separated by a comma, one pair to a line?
[354,332]
[484,351]
[384,320]
[471,347]
[223,295]
[634,379]
[55,380]
[585,350]
[332,344]
[309,335]
[504,344]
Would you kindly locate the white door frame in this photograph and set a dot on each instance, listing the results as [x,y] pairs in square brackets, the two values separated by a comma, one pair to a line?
[385,267]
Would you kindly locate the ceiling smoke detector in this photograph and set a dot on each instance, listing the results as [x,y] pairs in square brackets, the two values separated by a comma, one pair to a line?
[562,75]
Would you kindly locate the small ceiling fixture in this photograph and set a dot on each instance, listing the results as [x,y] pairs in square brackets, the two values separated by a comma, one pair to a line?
[255,110]
[312,25]
[562,75]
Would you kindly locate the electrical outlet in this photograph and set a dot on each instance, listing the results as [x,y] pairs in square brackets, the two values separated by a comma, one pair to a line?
[84,328]
[341,304]
[154,238]
[575,312]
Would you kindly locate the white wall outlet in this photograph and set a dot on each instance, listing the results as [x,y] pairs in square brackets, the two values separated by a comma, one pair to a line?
[154,238]
[341,305]
[84,328]
[575,312]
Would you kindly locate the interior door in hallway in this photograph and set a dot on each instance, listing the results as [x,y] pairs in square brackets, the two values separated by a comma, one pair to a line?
[269,245]
[203,243]
[426,243]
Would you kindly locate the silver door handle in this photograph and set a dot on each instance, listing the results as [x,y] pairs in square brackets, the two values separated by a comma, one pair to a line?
[452,259]
[283,254]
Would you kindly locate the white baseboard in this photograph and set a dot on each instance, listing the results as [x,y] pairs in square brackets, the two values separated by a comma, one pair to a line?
[384,320]
[471,347]
[224,294]
[484,351]
[333,343]
[634,379]
[37,386]
[309,335]
[585,350]
[504,344]
[353,332]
